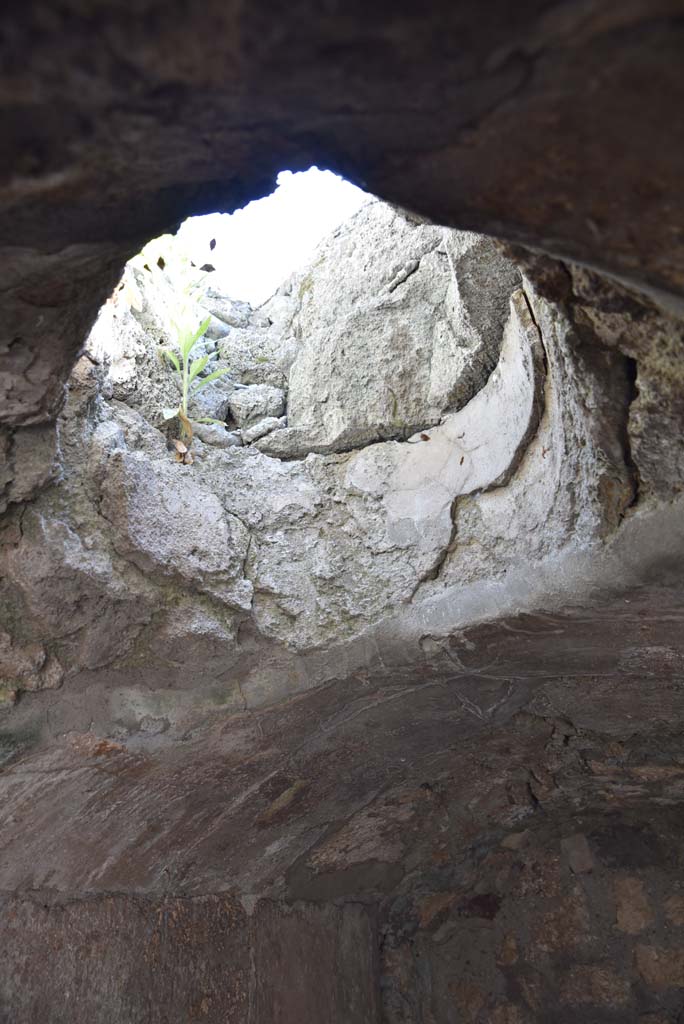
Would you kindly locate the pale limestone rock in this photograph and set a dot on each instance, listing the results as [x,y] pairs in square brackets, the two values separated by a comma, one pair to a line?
[74,592]
[315,548]
[263,427]
[29,461]
[399,322]
[249,405]
[258,355]
[212,401]
[231,312]
[191,630]
[167,524]
[340,540]
[471,450]
[217,329]
[216,435]
[128,341]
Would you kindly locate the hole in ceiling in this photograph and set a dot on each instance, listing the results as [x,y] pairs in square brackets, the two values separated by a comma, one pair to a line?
[292,471]
[256,248]
[316,320]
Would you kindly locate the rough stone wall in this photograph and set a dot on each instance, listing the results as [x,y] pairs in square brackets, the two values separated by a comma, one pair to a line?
[582,921]
[131,553]
[177,961]
[131,556]
[395,322]
[304,682]
[585,921]
[546,885]
[429,766]
[313,549]
[235,565]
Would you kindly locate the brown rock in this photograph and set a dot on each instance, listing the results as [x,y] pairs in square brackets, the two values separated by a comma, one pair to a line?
[279,807]
[576,851]
[509,1013]
[469,999]
[19,661]
[660,968]
[508,951]
[633,909]
[674,909]
[600,986]
[309,943]
[7,696]
[656,772]
[531,986]
[515,840]
[433,905]
[565,926]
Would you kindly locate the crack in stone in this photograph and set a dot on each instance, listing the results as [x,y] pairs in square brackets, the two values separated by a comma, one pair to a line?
[401,436]
[503,480]
[435,569]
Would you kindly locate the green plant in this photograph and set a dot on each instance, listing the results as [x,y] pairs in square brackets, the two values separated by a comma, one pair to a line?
[188,370]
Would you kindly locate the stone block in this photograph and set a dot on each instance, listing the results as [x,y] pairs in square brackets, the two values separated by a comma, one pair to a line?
[633,910]
[660,968]
[315,963]
[674,909]
[578,855]
[250,404]
[596,986]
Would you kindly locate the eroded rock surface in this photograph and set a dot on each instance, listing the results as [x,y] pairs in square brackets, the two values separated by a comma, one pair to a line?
[364,696]
[386,284]
[526,413]
[312,551]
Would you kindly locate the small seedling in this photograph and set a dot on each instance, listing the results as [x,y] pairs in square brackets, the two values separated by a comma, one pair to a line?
[189,370]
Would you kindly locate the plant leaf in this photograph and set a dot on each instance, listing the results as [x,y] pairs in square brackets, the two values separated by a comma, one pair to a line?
[172,358]
[185,343]
[192,337]
[208,419]
[211,376]
[170,414]
[197,367]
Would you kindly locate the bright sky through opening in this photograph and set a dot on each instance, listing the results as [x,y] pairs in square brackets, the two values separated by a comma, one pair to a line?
[258,247]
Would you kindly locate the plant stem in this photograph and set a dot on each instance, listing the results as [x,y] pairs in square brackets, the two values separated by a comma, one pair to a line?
[184,405]
[185,432]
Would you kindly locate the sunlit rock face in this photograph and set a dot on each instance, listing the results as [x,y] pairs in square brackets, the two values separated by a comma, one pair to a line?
[309,529]
[385,284]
